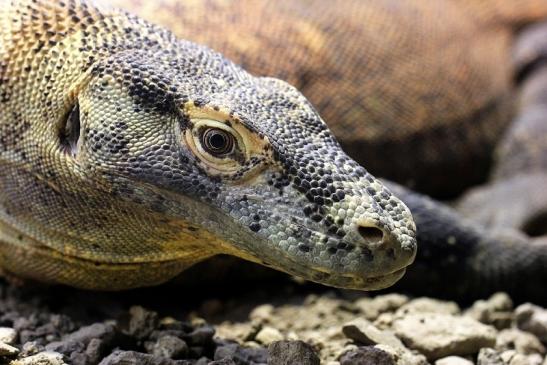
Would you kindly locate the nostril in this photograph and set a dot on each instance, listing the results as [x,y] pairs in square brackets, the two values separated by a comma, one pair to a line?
[371,234]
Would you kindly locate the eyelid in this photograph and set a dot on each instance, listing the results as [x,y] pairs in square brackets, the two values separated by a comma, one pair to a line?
[216,165]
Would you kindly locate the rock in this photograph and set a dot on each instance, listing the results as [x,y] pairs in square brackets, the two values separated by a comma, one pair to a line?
[523,342]
[7,335]
[364,332]
[384,321]
[291,352]
[428,305]
[438,335]
[497,311]
[241,332]
[404,357]
[511,357]
[489,356]
[142,322]
[268,335]
[241,355]
[531,318]
[372,308]
[222,362]
[453,360]
[262,313]
[31,348]
[170,347]
[367,355]
[8,350]
[78,342]
[42,358]
[138,358]
[201,336]
[94,351]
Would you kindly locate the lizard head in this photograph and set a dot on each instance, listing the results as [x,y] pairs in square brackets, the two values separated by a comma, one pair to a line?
[245,163]
[250,161]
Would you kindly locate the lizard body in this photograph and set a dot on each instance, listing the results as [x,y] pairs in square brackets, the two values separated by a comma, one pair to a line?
[114,173]
[127,156]
[393,78]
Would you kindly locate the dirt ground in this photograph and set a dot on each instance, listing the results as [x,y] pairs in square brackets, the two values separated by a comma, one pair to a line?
[279,322]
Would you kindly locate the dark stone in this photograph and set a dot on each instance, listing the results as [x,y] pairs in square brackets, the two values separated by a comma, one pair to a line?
[367,355]
[222,362]
[139,358]
[203,361]
[242,355]
[142,322]
[79,340]
[170,347]
[291,352]
[200,336]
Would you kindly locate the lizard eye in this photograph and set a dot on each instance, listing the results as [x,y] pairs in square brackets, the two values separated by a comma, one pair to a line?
[217,142]
[217,145]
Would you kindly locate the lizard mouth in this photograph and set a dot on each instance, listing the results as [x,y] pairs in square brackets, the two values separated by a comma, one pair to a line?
[359,282]
[354,280]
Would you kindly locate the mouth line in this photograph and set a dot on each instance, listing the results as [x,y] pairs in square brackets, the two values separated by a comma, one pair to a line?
[325,276]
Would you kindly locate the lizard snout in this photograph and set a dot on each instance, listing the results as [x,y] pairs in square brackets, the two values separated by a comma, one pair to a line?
[378,245]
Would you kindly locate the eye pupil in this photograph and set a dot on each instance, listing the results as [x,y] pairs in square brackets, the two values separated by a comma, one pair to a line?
[217,141]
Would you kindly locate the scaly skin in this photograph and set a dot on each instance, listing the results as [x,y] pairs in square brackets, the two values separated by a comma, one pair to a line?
[127,155]
[416,91]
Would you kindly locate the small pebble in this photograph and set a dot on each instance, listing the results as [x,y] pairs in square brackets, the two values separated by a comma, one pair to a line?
[453,360]
[367,355]
[291,353]
[532,318]
[42,358]
[7,335]
[8,350]
[268,335]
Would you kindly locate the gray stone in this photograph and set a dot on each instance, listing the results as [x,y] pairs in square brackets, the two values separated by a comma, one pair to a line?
[362,331]
[139,358]
[7,335]
[222,362]
[80,340]
[42,358]
[523,342]
[404,357]
[240,354]
[170,347]
[268,335]
[291,353]
[373,307]
[428,305]
[453,360]
[531,318]
[439,335]
[367,355]
[511,357]
[142,322]
[8,350]
[201,336]
[489,356]
[497,311]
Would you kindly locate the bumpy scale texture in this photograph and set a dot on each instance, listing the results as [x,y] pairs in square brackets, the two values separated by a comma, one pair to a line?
[416,91]
[105,177]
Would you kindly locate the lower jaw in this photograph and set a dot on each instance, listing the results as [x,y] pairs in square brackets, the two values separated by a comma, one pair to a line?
[360,283]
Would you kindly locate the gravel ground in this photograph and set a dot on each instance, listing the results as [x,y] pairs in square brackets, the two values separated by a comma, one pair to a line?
[281,324]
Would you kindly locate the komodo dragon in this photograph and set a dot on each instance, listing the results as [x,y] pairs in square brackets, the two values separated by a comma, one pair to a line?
[416,91]
[128,155]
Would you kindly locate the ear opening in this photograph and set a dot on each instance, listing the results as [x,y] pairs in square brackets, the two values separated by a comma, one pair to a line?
[69,133]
